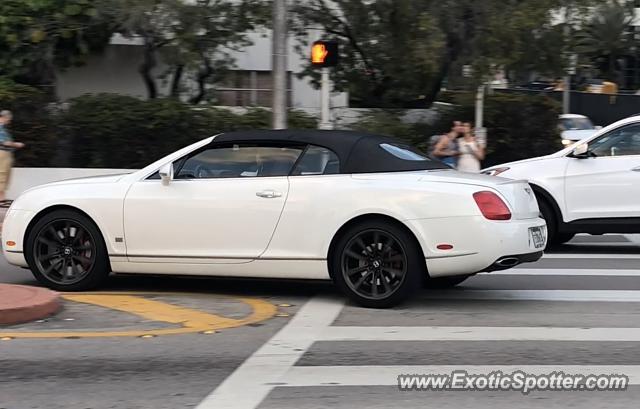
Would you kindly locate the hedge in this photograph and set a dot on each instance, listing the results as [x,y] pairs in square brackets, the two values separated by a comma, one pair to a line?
[32,123]
[518,126]
[116,131]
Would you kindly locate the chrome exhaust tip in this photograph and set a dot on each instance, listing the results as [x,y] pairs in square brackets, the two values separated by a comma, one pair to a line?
[508,262]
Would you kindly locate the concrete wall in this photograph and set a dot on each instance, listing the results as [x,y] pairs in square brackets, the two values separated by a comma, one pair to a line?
[25,178]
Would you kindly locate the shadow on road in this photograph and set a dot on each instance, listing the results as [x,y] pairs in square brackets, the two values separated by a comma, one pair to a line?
[220,285]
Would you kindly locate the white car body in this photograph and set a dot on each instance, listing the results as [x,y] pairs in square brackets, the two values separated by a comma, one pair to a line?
[221,227]
[589,194]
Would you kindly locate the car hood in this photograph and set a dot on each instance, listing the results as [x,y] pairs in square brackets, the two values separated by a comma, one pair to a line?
[90,179]
[509,164]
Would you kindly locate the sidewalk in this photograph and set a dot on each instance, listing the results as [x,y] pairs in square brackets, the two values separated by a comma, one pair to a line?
[20,303]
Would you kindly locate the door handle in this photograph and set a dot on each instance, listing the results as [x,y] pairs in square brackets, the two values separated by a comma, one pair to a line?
[268,194]
[636,169]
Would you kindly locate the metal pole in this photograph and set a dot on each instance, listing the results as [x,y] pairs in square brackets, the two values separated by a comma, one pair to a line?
[279,64]
[325,114]
[480,131]
[566,89]
[566,95]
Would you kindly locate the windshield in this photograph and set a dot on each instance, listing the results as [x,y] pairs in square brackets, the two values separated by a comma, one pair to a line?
[571,124]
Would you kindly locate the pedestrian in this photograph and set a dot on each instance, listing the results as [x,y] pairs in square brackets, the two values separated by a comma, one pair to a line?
[7,146]
[471,151]
[446,150]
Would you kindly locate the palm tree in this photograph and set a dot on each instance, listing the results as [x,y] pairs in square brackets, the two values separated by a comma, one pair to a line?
[608,36]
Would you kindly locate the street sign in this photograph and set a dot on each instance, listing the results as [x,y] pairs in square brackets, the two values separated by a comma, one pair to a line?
[324,54]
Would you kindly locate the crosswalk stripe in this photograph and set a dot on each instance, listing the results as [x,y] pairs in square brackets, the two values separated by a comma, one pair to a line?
[546,295]
[566,272]
[590,255]
[252,381]
[353,333]
[300,376]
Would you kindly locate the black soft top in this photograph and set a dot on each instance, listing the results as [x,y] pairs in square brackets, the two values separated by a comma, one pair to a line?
[358,152]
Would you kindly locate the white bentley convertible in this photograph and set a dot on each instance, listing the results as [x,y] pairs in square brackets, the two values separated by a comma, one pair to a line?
[371,213]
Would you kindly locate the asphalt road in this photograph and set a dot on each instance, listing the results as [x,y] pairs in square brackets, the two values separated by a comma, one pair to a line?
[577,309]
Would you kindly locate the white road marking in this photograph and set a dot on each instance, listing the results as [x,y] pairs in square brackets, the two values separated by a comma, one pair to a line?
[261,372]
[590,256]
[565,272]
[634,238]
[299,376]
[338,333]
[546,295]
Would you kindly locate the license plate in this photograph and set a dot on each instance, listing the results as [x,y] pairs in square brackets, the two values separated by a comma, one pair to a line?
[537,237]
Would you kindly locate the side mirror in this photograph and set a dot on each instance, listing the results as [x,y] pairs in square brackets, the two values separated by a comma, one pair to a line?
[581,151]
[166,173]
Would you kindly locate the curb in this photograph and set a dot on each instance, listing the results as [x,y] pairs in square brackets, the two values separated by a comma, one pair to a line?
[21,303]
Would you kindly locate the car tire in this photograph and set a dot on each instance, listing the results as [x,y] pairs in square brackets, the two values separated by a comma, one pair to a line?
[377,264]
[444,282]
[562,238]
[66,252]
[549,216]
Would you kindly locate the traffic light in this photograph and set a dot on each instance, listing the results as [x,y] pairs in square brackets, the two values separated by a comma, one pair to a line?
[324,54]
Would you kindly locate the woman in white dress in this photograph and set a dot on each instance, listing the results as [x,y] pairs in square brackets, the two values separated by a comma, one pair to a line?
[471,151]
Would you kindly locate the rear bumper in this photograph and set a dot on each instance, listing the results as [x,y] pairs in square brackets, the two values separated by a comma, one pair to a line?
[477,243]
[507,262]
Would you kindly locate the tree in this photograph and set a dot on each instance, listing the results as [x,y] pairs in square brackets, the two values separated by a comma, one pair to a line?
[399,51]
[193,38]
[608,37]
[38,36]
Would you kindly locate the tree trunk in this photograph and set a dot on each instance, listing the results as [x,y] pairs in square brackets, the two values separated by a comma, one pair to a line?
[436,84]
[146,67]
[177,78]
[203,75]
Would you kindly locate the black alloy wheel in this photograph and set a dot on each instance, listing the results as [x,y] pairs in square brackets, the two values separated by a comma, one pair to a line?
[66,252]
[374,264]
[377,263]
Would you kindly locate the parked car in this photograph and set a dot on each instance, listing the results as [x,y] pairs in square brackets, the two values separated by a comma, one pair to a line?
[575,128]
[592,187]
[372,213]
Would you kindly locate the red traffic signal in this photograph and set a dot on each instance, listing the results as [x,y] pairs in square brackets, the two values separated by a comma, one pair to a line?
[324,54]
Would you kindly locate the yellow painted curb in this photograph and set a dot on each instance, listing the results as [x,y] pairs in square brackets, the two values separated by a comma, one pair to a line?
[191,321]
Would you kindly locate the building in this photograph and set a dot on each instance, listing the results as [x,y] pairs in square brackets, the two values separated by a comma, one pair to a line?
[249,84]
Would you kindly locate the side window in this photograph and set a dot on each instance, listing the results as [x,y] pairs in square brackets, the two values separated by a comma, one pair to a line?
[317,161]
[237,161]
[623,141]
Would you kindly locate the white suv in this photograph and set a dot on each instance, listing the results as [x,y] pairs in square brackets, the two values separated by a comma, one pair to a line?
[591,187]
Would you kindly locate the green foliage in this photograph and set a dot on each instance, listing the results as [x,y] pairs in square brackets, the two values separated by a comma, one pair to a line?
[31,123]
[387,122]
[398,53]
[192,37]
[608,36]
[115,131]
[519,126]
[38,35]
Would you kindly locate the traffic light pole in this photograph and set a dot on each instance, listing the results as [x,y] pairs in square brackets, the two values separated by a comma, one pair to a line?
[279,64]
[325,113]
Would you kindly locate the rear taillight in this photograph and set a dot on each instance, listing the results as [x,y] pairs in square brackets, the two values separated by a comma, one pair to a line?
[491,206]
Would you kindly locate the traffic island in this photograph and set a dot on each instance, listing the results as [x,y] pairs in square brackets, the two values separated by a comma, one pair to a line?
[21,303]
